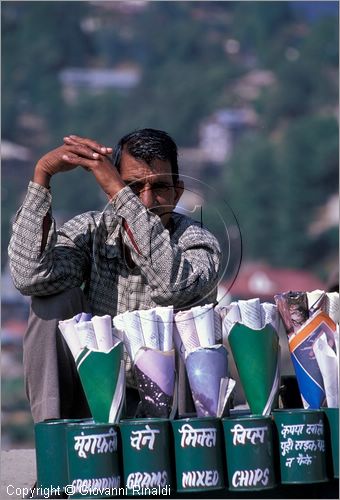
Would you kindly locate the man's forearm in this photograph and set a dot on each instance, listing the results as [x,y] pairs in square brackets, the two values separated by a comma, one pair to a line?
[30,233]
[38,265]
[41,177]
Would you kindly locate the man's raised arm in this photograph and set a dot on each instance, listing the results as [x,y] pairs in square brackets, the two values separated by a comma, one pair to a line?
[38,267]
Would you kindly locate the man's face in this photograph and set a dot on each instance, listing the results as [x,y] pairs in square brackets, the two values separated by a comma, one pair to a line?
[153,184]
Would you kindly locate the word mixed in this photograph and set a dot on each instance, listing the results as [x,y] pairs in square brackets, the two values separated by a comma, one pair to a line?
[200,478]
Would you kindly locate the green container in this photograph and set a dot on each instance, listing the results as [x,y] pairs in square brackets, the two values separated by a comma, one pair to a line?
[249,452]
[332,420]
[146,449]
[302,446]
[198,454]
[93,462]
[51,453]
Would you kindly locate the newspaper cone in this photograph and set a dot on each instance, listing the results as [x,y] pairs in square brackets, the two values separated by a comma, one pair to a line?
[206,367]
[256,354]
[306,367]
[155,376]
[102,375]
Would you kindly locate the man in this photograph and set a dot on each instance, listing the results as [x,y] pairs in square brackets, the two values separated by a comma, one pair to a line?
[136,254]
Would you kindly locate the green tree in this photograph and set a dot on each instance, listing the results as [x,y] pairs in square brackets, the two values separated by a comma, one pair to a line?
[308,175]
[252,187]
[38,41]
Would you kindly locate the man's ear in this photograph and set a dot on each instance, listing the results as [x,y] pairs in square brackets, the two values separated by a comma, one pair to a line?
[179,188]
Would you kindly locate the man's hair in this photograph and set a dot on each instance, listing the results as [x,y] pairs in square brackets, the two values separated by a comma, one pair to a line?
[148,144]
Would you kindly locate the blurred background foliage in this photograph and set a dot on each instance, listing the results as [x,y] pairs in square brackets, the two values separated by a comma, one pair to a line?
[248,90]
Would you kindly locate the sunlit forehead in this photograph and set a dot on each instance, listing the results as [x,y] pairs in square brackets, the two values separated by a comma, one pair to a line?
[133,169]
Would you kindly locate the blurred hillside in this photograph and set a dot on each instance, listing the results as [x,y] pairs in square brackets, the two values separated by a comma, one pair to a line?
[248,90]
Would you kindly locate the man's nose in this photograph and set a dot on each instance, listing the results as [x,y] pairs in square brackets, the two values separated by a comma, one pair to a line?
[147,197]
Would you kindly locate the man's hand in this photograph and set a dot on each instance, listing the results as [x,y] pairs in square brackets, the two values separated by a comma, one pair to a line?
[87,153]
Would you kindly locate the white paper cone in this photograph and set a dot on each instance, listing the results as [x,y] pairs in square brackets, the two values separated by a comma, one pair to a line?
[133,332]
[204,324]
[328,364]
[70,334]
[86,334]
[165,320]
[250,313]
[103,331]
[270,315]
[332,306]
[149,328]
[186,328]
[314,302]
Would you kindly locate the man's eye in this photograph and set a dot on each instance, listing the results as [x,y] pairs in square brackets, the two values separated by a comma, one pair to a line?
[158,187]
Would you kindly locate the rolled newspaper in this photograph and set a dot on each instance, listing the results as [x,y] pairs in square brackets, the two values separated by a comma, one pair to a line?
[149,326]
[204,321]
[187,331]
[165,317]
[86,333]
[133,332]
[103,331]
[70,334]
[250,313]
